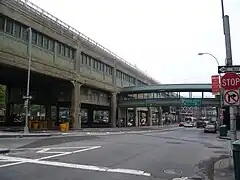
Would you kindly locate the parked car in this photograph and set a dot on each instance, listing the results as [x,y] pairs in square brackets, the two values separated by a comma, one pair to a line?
[181,124]
[200,124]
[189,124]
[211,127]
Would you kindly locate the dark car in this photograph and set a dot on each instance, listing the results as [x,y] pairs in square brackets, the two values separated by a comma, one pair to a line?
[200,124]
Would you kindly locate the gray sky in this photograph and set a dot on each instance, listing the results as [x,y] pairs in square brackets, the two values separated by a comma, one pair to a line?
[162,37]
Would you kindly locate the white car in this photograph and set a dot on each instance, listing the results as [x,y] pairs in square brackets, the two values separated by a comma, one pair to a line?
[188,124]
[210,127]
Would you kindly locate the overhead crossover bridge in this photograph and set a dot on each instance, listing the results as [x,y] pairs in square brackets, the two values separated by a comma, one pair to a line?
[168,88]
[155,95]
[177,102]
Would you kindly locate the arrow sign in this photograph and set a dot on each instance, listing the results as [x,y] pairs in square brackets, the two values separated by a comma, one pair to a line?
[231,97]
[224,69]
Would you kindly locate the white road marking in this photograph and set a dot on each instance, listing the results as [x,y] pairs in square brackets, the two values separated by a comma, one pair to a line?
[18,160]
[4,160]
[47,157]
[43,150]
[76,166]
[11,164]
[67,153]
[79,147]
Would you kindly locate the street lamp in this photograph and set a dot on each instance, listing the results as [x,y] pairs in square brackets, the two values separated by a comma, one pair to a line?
[220,88]
[27,97]
[200,54]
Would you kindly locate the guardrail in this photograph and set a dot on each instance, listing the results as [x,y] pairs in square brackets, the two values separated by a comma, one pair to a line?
[33,7]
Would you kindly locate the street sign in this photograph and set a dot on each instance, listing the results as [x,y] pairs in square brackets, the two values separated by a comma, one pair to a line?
[190,102]
[215,84]
[224,69]
[231,97]
[230,81]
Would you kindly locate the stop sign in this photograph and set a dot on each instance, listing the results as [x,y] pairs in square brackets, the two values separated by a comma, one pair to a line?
[230,81]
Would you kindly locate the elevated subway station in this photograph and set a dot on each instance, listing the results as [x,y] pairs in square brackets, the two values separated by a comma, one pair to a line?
[51,97]
[67,68]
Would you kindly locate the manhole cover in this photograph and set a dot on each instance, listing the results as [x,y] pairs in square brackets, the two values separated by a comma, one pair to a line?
[172,171]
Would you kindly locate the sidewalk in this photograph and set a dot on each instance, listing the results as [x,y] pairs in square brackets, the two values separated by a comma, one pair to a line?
[86,131]
[228,137]
[223,170]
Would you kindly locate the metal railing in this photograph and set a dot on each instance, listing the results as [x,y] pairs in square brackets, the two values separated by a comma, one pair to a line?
[36,9]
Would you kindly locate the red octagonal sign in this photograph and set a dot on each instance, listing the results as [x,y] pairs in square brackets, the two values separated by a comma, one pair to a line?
[230,81]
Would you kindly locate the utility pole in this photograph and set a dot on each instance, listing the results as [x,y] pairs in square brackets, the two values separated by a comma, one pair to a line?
[227,35]
[27,97]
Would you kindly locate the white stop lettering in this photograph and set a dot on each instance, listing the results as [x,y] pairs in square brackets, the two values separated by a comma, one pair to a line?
[230,82]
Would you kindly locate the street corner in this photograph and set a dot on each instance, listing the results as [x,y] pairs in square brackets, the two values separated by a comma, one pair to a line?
[223,170]
[224,137]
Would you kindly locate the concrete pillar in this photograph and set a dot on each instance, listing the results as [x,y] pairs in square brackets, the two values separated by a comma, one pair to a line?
[121,116]
[125,120]
[8,106]
[75,106]
[149,115]
[78,57]
[160,116]
[136,117]
[114,75]
[90,117]
[113,109]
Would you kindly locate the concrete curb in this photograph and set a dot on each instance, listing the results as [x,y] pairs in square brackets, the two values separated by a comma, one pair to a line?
[224,137]
[85,133]
[19,135]
[4,150]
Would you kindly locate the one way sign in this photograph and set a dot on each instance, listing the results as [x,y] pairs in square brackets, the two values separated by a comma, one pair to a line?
[224,69]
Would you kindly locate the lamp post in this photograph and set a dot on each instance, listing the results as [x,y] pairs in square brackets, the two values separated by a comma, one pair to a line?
[220,85]
[27,97]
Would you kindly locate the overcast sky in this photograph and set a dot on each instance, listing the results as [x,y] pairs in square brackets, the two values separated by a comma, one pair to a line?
[162,37]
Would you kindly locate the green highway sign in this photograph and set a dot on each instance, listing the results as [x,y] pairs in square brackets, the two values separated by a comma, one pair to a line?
[191,102]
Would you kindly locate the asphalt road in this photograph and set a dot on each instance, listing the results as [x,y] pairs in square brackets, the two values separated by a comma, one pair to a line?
[149,155]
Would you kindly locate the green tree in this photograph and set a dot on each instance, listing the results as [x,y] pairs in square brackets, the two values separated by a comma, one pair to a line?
[2,94]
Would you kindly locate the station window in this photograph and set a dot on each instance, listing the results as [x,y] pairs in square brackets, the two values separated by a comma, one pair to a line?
[89,61]
[2,22]
[51,45]
[68,52]
[17,30]
[62,50]
[25,33]
[58,48]
[45,43]
[9,28]
[34,37]
[40,40]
